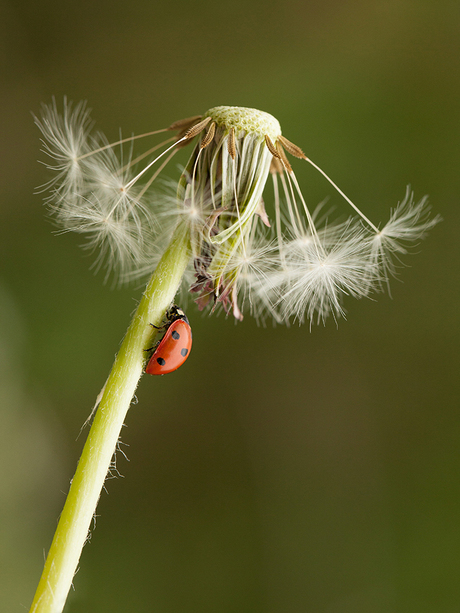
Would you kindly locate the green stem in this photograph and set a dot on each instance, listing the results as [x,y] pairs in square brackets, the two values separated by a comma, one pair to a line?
[98,452]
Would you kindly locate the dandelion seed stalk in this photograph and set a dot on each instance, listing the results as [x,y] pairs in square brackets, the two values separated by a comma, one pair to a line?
[98,452]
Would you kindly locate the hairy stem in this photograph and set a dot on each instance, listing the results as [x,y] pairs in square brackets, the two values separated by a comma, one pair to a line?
[80,506]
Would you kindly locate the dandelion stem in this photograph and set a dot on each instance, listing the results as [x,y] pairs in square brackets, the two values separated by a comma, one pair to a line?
[98,452]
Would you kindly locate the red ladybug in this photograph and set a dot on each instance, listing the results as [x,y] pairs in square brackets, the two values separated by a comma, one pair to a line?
[174,347]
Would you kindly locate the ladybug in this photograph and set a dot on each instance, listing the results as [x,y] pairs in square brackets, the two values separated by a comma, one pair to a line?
[174,348]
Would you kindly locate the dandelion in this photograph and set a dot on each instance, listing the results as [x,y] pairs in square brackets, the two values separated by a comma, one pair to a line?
[211,237]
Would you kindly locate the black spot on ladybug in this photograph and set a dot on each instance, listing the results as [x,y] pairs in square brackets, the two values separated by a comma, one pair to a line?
[161,361]
[175,334]
[184,352]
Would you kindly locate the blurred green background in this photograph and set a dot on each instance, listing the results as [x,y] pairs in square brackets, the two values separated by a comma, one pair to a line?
[281,470]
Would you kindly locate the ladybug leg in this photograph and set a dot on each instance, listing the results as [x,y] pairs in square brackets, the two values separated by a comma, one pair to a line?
[162,327]
[156,344]
[152,348]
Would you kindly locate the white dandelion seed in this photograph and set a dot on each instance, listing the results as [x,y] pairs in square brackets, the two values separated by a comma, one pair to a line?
[316,281]
[247,267]
[408,224]
[66,138]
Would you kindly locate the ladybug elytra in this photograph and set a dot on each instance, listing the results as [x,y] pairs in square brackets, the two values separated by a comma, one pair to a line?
[174,347]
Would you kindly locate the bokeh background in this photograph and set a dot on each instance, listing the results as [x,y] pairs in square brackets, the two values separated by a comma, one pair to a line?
[281,470]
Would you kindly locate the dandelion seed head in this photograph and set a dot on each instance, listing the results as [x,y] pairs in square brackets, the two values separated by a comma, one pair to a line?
[290,263]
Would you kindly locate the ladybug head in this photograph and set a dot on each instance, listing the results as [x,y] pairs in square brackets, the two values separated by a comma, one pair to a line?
[174,313]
